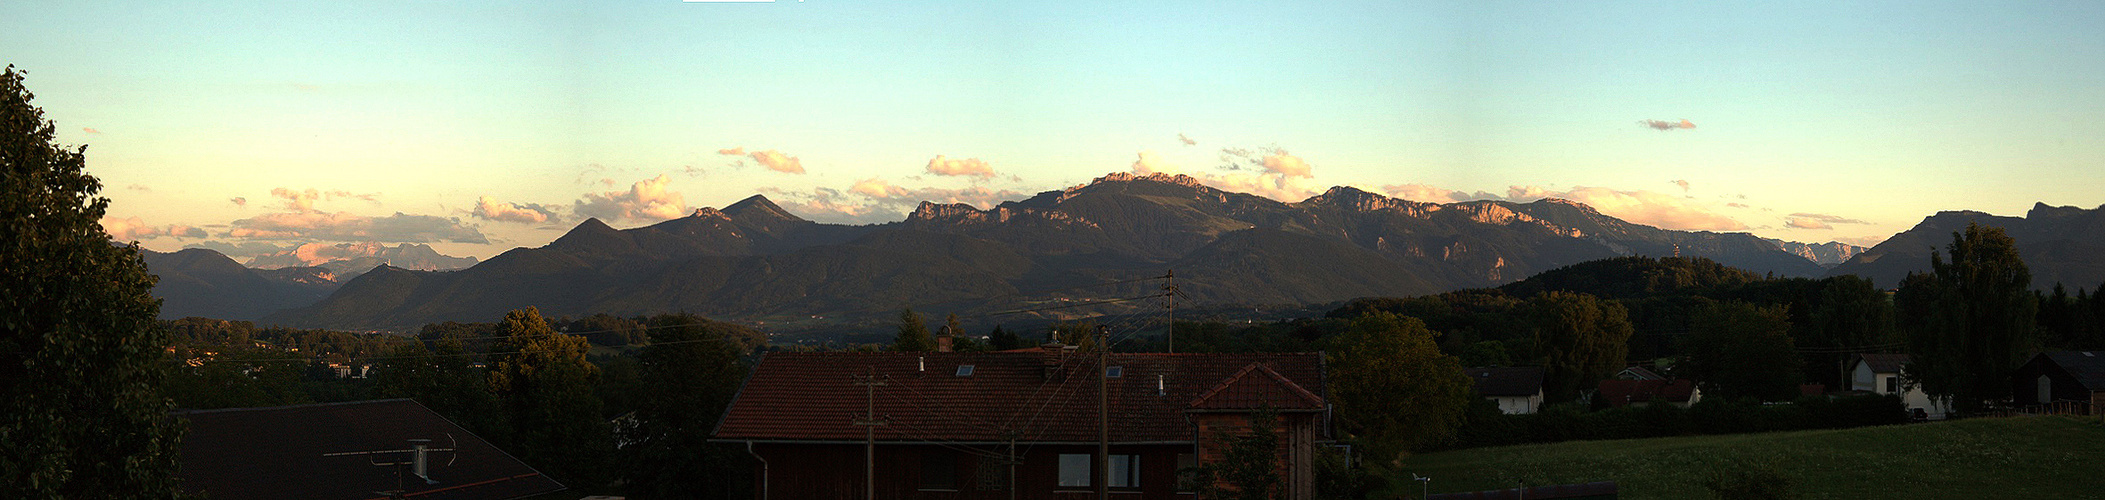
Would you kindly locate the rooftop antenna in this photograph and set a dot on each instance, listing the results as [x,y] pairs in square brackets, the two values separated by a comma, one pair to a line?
[417,459]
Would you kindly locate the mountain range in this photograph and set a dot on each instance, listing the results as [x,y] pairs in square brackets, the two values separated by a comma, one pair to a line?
[753,260]
[2063,245]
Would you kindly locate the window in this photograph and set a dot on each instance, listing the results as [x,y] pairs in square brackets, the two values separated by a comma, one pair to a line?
[1187,472]
[964,370]
[1125,471]
[993,474]
[1074,469]
[1115,371]
[938,470]
[1892,385]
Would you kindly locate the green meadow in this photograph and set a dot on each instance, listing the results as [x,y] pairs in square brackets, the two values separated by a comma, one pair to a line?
[2023,457]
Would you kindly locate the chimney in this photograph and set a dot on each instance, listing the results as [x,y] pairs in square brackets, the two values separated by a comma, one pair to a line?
[943,339]
[1052,354]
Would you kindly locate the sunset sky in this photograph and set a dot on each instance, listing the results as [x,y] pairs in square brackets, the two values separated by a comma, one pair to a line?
[482,126]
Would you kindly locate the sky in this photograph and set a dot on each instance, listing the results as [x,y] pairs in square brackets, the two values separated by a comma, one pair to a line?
[476,127]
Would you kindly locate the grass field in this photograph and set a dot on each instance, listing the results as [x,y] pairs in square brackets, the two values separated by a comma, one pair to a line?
[2024,457]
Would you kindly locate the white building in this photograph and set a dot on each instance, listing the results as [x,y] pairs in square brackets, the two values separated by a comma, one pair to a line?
[1880,374]
[1517,390]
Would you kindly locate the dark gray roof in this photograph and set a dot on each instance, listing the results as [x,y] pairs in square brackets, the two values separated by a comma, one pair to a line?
[1885,363]
[1507,381]
[280,452]
[2088,367]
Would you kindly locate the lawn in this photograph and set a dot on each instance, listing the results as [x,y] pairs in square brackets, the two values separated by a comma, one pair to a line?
[2023,457]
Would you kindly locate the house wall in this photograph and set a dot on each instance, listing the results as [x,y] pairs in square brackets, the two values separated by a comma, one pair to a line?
[1297,443]
[1864,379]
[1518,405]
[836,472]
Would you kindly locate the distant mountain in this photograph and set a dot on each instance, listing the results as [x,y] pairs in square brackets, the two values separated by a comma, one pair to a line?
[1827,254]
[2059,244]
[202,282]
[352,259]
[754,260]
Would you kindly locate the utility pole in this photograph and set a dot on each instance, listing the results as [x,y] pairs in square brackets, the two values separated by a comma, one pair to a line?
[1169,292]
[1103,413]
[1012,462]
[870,423]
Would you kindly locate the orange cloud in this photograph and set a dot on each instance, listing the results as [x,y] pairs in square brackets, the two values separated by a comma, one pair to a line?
[90,130]
[732,151]
[344,226]
[1286,164]
[130,229]
[1186,140]
[647,199]
[971,167]
[489,208]
[776,161]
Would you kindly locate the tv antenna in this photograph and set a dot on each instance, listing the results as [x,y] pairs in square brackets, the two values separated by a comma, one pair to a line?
[416,458]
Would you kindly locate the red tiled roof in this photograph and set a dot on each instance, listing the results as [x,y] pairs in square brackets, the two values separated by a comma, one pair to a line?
[1257,386]
[1623,392]
[278,453]
[815,396]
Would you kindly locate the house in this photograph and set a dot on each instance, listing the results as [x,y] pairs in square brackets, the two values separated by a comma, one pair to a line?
[1638,373]
[1881,374]
[950,425]
[355,450]
[2061,382]
[1516,389]
[1619,392]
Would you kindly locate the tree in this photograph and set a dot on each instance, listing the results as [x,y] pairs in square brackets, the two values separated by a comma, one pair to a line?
[1970,321]
[692,368]
[1002,340]
[444,378]
[1737,349]
[1851,315]
[82,414]
[913,334]
[546,385]
[1581,340]
[1395,390]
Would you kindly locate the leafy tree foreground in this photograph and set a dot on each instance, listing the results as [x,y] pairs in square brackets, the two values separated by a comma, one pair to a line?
[81,409]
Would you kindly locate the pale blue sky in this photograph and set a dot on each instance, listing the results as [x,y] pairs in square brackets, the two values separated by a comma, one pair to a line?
[1881,113]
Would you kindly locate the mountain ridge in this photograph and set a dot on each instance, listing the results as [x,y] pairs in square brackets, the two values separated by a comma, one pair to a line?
[753,259]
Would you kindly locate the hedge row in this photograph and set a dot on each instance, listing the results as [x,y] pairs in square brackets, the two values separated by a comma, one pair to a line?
[1485,426]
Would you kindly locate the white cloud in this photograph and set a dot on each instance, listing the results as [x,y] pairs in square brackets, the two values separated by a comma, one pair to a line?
[1650,208]
[647,199]
[1285,164]
[1151,163]
[1663,125]
[529,213]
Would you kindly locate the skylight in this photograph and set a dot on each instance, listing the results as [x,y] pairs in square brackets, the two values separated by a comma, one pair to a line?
[1115,371]
[964,370]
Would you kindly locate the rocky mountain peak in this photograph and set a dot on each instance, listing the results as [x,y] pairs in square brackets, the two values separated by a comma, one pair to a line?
[759,207]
